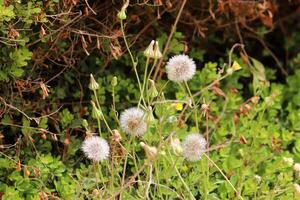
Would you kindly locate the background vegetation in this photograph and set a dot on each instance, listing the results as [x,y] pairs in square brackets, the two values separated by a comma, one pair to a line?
[50,48]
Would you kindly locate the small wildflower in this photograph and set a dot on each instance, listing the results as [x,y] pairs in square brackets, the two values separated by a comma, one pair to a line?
[95,148]
[180,68]
[257,178]
[151,152]
[179,106]
[133,122]
[288,161]
[93,84]
[236,66]
[193,146]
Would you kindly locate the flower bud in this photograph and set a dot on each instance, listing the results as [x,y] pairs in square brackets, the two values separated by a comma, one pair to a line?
[85,123]
[149,51]
[93,84]
[152,90]
[96,113]
[157,53]
[229,71]
[151,152]
[176,146]
[122,14]
[116,136]
[150,117]
[114,81]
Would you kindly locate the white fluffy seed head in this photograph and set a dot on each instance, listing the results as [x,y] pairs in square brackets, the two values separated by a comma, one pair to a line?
[95,148]
[193,146]
[297,167]
[133,121]
[180,68]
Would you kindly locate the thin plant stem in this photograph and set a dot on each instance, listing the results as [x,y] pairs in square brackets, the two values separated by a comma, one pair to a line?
[210,160]
[194,104]
[181,179]
[114,105]
[144,86]
[99,107]
[134,63]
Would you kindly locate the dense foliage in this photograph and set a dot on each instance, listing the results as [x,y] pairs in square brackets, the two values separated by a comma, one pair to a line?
[244,99]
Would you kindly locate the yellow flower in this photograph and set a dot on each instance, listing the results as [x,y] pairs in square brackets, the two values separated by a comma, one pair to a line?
[236,66]
[179,106]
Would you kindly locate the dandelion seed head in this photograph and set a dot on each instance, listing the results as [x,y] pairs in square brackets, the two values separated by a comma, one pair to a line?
[95,148]
[297,167]
[180,68]
[133,122]
[193,146]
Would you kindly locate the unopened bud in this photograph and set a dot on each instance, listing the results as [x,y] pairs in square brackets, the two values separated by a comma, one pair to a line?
[116,136]
[151,152]
[26,171]
[93,84]
[149,51]
[96,113]
[229,71]
[152,90]
[176,146]
[157,53]
[85,123]
[114,81]
[122,14]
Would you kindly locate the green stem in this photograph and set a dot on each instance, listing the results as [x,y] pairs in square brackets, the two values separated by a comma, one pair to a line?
[134,63]
[194,105]
[99,107]
[144,87]
[228,181]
